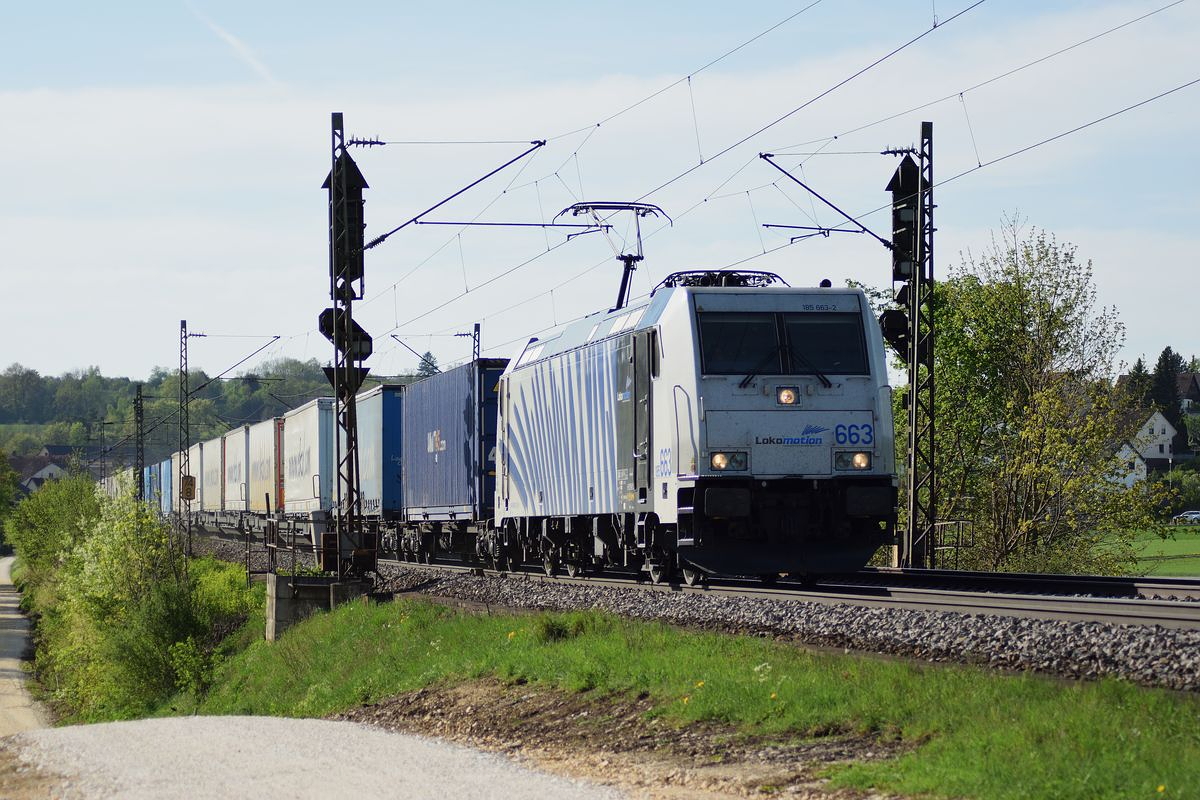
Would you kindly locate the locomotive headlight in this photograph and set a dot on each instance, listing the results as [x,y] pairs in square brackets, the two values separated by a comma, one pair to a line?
[786,395]
[724,462]
[852,460]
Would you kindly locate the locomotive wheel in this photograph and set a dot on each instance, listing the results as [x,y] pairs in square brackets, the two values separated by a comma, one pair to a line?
[658,572]
[573,569]
[692,576]
[549,566]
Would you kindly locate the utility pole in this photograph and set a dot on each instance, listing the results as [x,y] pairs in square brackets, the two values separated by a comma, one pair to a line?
[184,511]
[350,550]
[139,436]
[474,334]
[911,331]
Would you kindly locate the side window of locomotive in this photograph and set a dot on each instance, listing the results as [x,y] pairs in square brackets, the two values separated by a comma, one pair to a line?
[821,342]
[654,353]
[738,343]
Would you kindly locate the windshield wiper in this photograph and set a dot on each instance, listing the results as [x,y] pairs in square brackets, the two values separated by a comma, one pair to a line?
[762,363]
[798,355]
[792,354]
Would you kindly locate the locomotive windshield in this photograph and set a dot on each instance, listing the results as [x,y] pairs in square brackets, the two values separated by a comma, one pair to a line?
[780,343]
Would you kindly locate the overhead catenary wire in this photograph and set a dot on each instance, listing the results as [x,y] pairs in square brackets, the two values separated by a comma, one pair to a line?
[812,100]
[876,210]
[1076,129]
[592,129]
[1045,141]
[378,240]
[720,153]
[979,165]
[691,74]
[981,84]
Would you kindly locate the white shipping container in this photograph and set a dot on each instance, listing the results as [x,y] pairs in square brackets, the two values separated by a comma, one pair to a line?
[237,459]
[212,488]
[264,465]
[307,453]
[176,459]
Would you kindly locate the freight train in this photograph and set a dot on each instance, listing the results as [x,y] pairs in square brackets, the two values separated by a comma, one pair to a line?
[725,425]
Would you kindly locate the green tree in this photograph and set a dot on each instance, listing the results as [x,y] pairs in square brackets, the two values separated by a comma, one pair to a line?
[427,366]
[48,524]
[23,395]
[1028,420]
[1164,386]
[1138,384]
[8,488]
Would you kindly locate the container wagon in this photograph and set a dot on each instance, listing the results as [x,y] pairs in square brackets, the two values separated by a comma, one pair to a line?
[448,443]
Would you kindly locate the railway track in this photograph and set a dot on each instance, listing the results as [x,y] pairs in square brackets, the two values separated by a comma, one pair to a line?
[1111,600]
[1168,602]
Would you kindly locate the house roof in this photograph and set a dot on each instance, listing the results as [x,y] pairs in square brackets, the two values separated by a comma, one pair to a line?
[66,450]
[1189,386]
[28,466]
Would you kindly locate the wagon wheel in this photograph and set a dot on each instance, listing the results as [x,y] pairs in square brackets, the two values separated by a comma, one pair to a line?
[549,565]
[658,572]
[692,576]
[573,569]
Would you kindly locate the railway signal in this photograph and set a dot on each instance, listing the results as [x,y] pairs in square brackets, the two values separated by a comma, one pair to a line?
[909,329]
[348,549]
[347,225]
[905,187]
[345,334]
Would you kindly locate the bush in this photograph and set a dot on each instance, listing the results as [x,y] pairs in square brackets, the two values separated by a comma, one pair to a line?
[125,620]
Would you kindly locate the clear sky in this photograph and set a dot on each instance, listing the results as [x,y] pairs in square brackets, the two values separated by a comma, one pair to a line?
[164,160]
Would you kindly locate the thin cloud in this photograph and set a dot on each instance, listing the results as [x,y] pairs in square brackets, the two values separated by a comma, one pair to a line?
[240,48]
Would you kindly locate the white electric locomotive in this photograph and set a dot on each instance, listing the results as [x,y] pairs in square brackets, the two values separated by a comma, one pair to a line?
[728,425]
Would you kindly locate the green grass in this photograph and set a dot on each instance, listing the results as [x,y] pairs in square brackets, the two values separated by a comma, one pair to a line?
[1176,556]
[972,733]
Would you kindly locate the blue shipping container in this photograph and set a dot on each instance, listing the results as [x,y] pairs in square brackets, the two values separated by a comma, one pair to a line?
[449,443]
[165,482]
[379,424]
[150,484]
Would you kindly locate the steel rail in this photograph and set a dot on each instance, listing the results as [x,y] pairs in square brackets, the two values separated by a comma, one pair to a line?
[1099,609]
[1067,598]
[1034,583]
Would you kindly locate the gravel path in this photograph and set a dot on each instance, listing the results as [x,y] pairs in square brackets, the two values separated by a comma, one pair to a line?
[267,757]
[18,711]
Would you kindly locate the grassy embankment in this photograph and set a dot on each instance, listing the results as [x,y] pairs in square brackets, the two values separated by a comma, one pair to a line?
[1177,556]
[970,733]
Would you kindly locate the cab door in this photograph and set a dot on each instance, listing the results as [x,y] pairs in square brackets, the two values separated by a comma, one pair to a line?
[643,360]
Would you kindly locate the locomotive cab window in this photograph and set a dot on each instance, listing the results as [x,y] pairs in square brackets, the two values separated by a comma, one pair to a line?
[768,343]
[825,342]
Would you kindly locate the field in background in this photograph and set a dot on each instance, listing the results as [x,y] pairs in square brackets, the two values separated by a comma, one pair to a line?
[1177,556]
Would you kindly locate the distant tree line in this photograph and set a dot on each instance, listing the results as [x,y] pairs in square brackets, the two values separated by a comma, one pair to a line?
[85,409]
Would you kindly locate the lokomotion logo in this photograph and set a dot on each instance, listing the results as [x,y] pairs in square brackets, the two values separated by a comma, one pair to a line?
[811,435]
